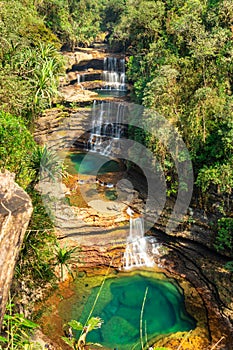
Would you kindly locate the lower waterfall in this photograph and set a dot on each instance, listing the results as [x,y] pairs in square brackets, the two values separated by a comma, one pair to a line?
[136,252]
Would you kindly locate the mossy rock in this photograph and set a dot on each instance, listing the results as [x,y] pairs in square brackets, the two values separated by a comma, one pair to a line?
[118,330]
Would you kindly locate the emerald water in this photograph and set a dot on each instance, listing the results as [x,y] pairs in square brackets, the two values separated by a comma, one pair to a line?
[91,163]
[120,306]
[110,93]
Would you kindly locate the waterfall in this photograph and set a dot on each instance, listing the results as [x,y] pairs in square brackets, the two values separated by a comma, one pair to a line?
[106,127]
[136,252]
[80,78]
[114,74]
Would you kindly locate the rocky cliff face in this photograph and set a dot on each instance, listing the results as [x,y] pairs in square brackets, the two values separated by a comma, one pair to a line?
[15,213]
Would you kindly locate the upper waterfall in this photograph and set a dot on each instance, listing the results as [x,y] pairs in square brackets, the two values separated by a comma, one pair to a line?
[107,127]
[114,74]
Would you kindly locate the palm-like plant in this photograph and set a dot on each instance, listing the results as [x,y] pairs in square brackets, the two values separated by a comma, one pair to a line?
[64,257]
[45,77]
[45,82]
[40,67]
[49,51]
[46,164]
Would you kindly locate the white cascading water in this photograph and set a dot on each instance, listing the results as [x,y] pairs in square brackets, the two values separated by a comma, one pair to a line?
[80,78]
[107,121]
[79,81]
[114,74]
[136,252]
[106,129]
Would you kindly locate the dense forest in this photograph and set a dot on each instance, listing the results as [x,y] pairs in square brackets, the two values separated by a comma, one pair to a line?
[179,63]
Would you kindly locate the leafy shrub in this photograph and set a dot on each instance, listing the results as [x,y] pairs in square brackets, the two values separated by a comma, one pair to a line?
[36,258]
[224,238]
[229,266]
[17,330]
[16,147]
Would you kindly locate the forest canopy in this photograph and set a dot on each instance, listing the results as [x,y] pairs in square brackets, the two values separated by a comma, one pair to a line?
[180,63]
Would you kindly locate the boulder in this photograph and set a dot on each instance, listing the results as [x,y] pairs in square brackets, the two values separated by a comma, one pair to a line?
[15,212]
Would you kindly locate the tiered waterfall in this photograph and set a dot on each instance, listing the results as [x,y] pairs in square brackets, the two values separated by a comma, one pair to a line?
[114,73]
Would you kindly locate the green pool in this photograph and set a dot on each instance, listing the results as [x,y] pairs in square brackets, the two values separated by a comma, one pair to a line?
[120,306]
[110,93]
[87,164]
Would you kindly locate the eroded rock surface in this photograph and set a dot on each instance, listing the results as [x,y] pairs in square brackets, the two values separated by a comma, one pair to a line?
[15,213]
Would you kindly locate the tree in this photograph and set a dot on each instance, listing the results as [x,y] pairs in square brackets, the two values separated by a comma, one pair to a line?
[139,25]
[74,22]
[180,64]
[57,18]
[110,15]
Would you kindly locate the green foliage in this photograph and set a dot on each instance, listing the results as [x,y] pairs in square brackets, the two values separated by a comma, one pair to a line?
[110,15]
[140,24]
[224,237]
[76,325]
[16,148]
[29,61]
[217,157]
[21,24]
[180,64]
[36,259]
[40,67]
[17,331]
[15,94]
[92,323]
[56,15]
[220,175]
[74,22]
[229,266]
[40,220]
[45,76]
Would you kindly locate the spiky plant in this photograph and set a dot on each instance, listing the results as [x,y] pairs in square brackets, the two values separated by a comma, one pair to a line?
[64,257]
